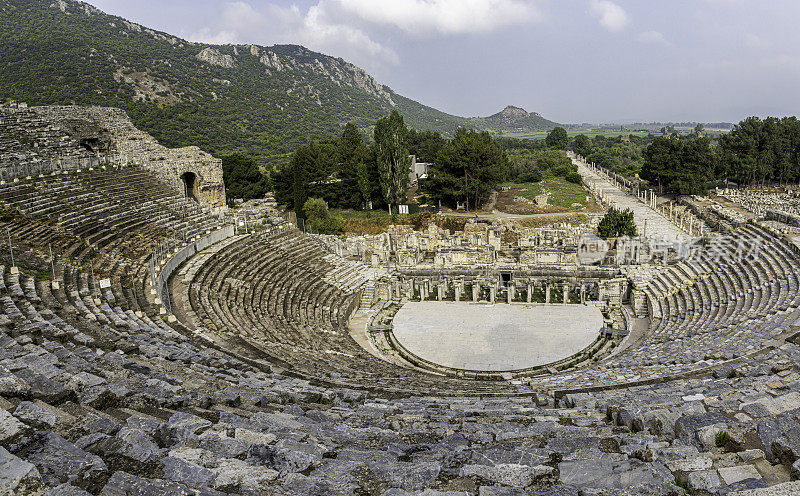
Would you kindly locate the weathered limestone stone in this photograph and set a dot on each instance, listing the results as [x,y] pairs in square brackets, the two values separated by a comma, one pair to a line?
[10,426]
[255,437]
[786,448]
[122,484]
[233,473]
[732,475]
[704,480]
[508,474]
[35,415]
[697,463]
[182,426]
[66,490]
[785,489]
[188,473]
[770,430]
[62,460]
[17,476]
[707,434]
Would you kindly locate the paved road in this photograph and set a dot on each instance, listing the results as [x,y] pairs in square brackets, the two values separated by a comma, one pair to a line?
[648,221]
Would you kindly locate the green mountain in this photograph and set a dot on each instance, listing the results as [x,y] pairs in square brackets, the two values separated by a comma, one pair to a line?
[264,101]
[515,119]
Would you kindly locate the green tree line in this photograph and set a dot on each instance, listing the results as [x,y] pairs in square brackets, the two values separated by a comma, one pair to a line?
[355,169]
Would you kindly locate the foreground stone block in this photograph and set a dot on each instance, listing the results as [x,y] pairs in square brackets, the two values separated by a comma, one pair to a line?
[732,475]
[785,489]
[122,484]
[35,415]
[188,473]
[10,426]
[508,474]
[61,460]
[704,480]
[770,430]
[233,474]
[17,477]
[66,490]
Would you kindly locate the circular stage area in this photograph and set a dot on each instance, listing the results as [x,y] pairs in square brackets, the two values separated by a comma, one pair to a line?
[495,338]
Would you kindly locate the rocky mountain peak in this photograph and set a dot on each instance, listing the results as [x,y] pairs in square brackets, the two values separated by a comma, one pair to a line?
[512,111]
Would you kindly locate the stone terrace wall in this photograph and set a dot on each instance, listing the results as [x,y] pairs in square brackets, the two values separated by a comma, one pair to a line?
[52,133]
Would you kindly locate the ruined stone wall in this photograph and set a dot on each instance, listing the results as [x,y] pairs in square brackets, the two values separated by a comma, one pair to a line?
[53,133]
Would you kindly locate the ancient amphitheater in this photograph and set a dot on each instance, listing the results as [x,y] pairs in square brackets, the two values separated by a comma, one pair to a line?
[154,344]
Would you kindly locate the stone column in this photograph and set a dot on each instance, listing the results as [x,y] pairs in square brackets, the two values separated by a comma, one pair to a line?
[530,292]
[492,293]
[565,289]
[439,291]
[475,290]
[511,293]
[583,294]
[547,294]
[458,292]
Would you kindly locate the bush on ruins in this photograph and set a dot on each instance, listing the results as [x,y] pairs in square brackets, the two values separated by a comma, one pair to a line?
[319,219]
[617,223]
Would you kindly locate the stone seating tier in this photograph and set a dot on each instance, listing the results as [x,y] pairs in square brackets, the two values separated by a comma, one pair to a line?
[100,395]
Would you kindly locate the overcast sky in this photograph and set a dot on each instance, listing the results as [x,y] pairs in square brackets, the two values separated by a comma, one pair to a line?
[570,60]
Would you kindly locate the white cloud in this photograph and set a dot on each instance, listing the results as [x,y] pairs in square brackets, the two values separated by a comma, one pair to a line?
[654,37]
[351,28]
[756,42]
[235,20]
[316,29]
[610,15]
[425,17]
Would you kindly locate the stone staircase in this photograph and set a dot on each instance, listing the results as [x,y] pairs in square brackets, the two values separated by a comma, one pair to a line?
[367,295]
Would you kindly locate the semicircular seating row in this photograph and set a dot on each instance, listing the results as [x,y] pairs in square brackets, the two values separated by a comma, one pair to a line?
[269,289]
[708,310]
[272,289]
[101,397]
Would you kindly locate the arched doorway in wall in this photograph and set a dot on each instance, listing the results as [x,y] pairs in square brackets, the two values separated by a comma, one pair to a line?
[190,185]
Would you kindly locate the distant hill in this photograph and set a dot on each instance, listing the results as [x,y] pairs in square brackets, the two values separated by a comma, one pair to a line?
[264,101]
[514,119]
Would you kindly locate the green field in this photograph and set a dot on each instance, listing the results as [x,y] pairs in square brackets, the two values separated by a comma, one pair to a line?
[607,132]
[591,133]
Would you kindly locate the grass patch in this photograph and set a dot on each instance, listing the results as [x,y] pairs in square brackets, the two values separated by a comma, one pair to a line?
[563,196]
[378,221]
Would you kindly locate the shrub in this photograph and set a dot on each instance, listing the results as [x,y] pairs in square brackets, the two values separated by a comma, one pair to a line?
[617,223]
[721,438]
[573,177]
[319,219]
